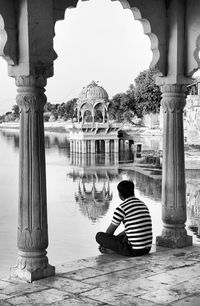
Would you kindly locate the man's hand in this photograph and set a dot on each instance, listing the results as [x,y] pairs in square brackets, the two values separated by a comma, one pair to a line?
[111,229]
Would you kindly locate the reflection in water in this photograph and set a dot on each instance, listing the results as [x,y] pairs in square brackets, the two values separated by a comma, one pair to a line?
[148,186]
[193,201]
[94,178]
[93,203]
[93,195]
[12,136]
[88,175]
[89,160]
[57,140]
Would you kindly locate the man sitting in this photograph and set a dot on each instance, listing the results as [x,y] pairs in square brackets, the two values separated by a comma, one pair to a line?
[136,239]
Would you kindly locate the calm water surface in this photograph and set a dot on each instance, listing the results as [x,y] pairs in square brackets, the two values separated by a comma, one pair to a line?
[81,198]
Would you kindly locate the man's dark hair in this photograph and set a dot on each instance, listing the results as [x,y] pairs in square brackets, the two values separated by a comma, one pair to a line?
[126,189]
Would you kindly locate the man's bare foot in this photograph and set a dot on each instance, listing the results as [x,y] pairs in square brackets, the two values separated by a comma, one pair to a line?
[105,251]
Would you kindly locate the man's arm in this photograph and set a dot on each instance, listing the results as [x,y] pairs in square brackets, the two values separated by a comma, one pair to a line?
[111,229]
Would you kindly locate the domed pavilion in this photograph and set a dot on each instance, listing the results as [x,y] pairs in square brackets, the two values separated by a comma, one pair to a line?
[93,104]
[93,133]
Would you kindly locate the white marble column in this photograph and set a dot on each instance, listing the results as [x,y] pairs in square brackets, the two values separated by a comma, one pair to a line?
[32,263]
[83,146]
[174,234]
[92,146]
[93,158]
[107,146]
[74,146]
[116,145]
[71,147]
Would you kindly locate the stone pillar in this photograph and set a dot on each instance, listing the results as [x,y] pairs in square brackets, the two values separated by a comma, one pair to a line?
[174,234]
[116,145]
[131,143]
[32,263]
[93,159]
[92,146]
[77,146]
[104,115]
[107,142]
[71,147]
[83,146]
[116,158]
[74,146]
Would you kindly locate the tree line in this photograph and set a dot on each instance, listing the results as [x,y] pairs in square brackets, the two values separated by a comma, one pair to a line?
[141,98]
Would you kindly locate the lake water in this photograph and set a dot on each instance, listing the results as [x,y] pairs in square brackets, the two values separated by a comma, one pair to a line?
[81,199]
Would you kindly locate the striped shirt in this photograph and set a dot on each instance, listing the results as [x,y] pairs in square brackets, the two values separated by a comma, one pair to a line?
[137,222]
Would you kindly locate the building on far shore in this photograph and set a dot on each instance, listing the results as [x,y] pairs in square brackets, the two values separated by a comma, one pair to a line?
[192,114]
[94,132]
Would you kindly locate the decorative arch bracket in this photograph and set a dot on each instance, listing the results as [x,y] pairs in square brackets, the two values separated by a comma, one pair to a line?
[173,28]
[8,32]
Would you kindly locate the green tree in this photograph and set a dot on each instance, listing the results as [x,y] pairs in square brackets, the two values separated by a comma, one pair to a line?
[147,93]
[48,107]
[15,111]
[61,110]
[119,104]
[71,109]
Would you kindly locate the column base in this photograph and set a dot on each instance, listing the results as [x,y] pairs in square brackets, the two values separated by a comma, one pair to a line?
[30,276]
[174,238]
[32,266]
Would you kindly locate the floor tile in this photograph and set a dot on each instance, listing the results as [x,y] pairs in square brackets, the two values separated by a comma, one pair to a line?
[41,298]
[3,297]
[87,262]
[115,265]
[168,279]
[4,303]
[82,273]
[165,277]
[13,289]
[161,296]
[188,287]
[115,298]
[78,301]
[66,285]
[189,301]
[138,286]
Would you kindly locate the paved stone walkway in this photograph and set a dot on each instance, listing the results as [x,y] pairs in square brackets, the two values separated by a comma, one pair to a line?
[164,277]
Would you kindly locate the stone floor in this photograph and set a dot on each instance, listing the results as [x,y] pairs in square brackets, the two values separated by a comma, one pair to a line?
[163,277]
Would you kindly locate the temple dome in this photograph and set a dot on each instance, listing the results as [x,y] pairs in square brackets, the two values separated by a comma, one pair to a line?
[93,91]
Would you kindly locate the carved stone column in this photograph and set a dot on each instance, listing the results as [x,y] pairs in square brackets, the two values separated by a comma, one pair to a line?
[92,146]
[32,263]
[84,146]
[174,234]
[107,146]
[71,147]
[116,145]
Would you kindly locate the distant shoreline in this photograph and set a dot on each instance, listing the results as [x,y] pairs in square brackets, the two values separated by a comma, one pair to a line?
[192,153]
[56,127]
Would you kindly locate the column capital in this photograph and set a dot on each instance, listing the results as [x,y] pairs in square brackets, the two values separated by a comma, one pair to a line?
[29,81]
[173,97]
[173,88]
[31,93]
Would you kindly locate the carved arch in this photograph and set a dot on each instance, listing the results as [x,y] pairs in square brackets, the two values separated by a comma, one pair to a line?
[85,113]
[101,104]
[144,12]
[8,32]
[154,26]
[193,36]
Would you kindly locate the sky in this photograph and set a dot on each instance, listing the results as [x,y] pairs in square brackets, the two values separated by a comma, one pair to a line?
[98,40]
